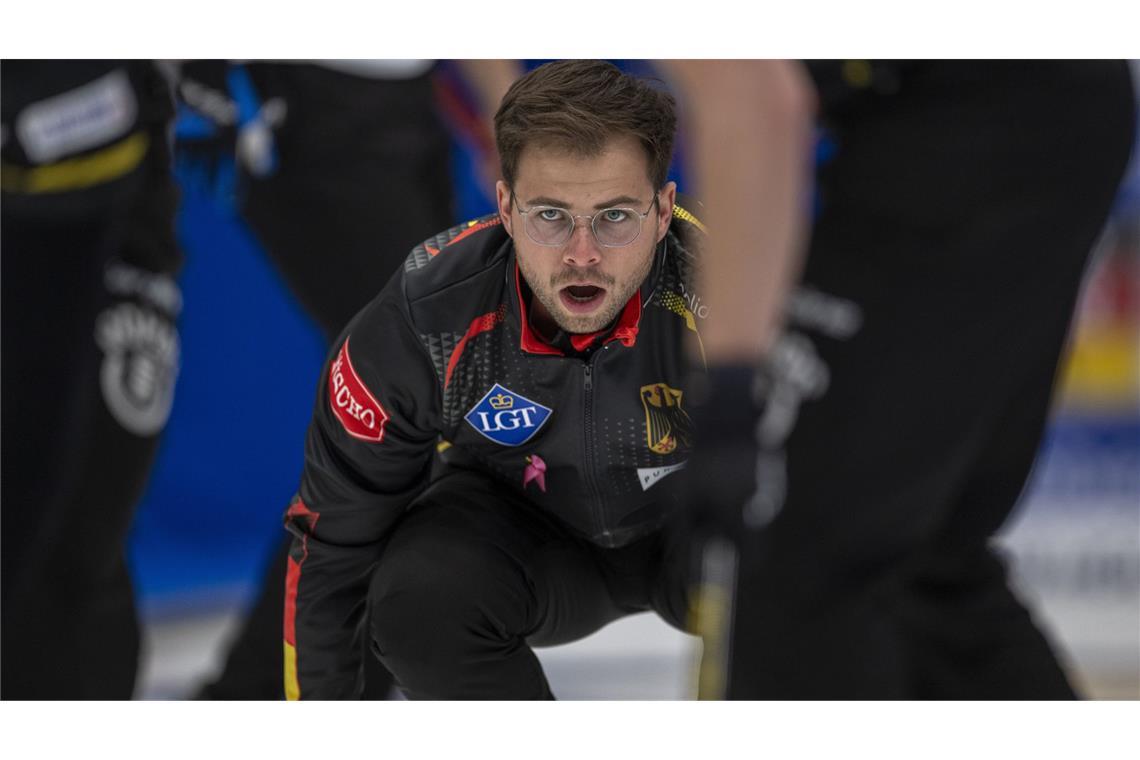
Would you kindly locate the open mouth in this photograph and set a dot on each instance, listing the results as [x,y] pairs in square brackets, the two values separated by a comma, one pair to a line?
[581,298]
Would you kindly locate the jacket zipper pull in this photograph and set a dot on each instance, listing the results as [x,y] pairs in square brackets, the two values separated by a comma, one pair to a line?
[589,377]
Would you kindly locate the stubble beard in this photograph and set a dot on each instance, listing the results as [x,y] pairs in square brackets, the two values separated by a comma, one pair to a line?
[617,295]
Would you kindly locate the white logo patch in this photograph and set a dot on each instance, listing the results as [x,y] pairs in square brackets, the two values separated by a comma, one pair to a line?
[77,120]
[140,364]
[650,475]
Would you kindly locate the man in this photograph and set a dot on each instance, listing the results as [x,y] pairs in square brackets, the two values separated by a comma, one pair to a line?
[894,420]
[539,350]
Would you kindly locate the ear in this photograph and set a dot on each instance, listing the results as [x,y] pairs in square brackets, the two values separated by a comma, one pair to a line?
[503,198]
[668,197]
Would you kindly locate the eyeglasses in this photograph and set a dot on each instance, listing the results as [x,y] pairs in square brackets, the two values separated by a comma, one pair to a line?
[553,226]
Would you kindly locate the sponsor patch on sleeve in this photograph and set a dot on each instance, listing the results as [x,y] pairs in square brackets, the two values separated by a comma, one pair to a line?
[357,409]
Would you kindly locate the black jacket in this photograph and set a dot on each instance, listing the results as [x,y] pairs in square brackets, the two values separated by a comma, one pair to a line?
[444,359]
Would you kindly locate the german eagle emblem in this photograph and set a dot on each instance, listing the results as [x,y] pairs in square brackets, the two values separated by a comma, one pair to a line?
[667,425]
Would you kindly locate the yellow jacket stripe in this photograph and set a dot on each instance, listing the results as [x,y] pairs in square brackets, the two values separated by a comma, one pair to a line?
[292,687]
[98,168]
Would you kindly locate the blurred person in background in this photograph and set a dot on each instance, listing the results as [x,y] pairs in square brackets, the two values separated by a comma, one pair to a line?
[90,354]
[864,434]
[543,344]
[339,168]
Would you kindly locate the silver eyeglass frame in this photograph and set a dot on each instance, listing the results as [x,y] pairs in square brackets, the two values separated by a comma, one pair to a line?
[575,217]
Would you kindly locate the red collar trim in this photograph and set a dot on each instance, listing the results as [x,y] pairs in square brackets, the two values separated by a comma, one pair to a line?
[530,342]
[583,341]
[629,322]
[625,331]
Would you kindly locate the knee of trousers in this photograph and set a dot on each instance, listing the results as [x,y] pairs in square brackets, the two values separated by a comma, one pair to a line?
[445,609]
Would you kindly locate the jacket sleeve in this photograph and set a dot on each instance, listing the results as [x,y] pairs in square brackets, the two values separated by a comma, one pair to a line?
[367,454]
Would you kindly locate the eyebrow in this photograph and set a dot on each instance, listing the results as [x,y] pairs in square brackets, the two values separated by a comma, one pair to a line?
[544,200]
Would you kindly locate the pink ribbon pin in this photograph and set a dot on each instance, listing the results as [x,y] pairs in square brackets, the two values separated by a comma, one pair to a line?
[536,471]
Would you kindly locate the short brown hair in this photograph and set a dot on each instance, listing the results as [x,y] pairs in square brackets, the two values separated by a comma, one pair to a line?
[579,105]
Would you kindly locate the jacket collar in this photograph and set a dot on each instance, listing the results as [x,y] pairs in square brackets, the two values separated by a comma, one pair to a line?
[624,330]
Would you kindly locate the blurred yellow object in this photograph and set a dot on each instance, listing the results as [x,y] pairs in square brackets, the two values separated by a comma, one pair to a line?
[77,173]
[1102,371]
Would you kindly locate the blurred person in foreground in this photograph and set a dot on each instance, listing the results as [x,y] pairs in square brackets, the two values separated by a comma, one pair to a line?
[864,434]
[91,352]
[543,345]
[338,167]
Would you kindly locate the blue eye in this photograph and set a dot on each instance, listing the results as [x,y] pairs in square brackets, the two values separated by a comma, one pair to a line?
[615,215]
[550,214]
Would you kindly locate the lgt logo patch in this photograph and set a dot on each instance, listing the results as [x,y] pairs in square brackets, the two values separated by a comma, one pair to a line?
[506,417]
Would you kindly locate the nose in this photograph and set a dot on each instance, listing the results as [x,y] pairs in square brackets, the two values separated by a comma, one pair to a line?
[582,250]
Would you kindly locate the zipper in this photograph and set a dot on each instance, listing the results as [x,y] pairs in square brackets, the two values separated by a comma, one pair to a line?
[595,493]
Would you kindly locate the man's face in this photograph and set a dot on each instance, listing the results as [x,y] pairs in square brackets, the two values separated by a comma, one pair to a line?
[582,285]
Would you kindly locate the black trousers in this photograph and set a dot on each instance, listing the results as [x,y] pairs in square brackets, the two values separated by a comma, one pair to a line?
[364,177]
[90,355]
[956,220]
[473,577]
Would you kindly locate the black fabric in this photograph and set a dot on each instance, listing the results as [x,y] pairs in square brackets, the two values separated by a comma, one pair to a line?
[252,670]
[72,469]
[363,175]
[956,220]
[473,577]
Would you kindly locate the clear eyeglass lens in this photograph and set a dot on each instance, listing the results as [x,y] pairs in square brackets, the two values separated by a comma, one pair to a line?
[551,226]
[614,227]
